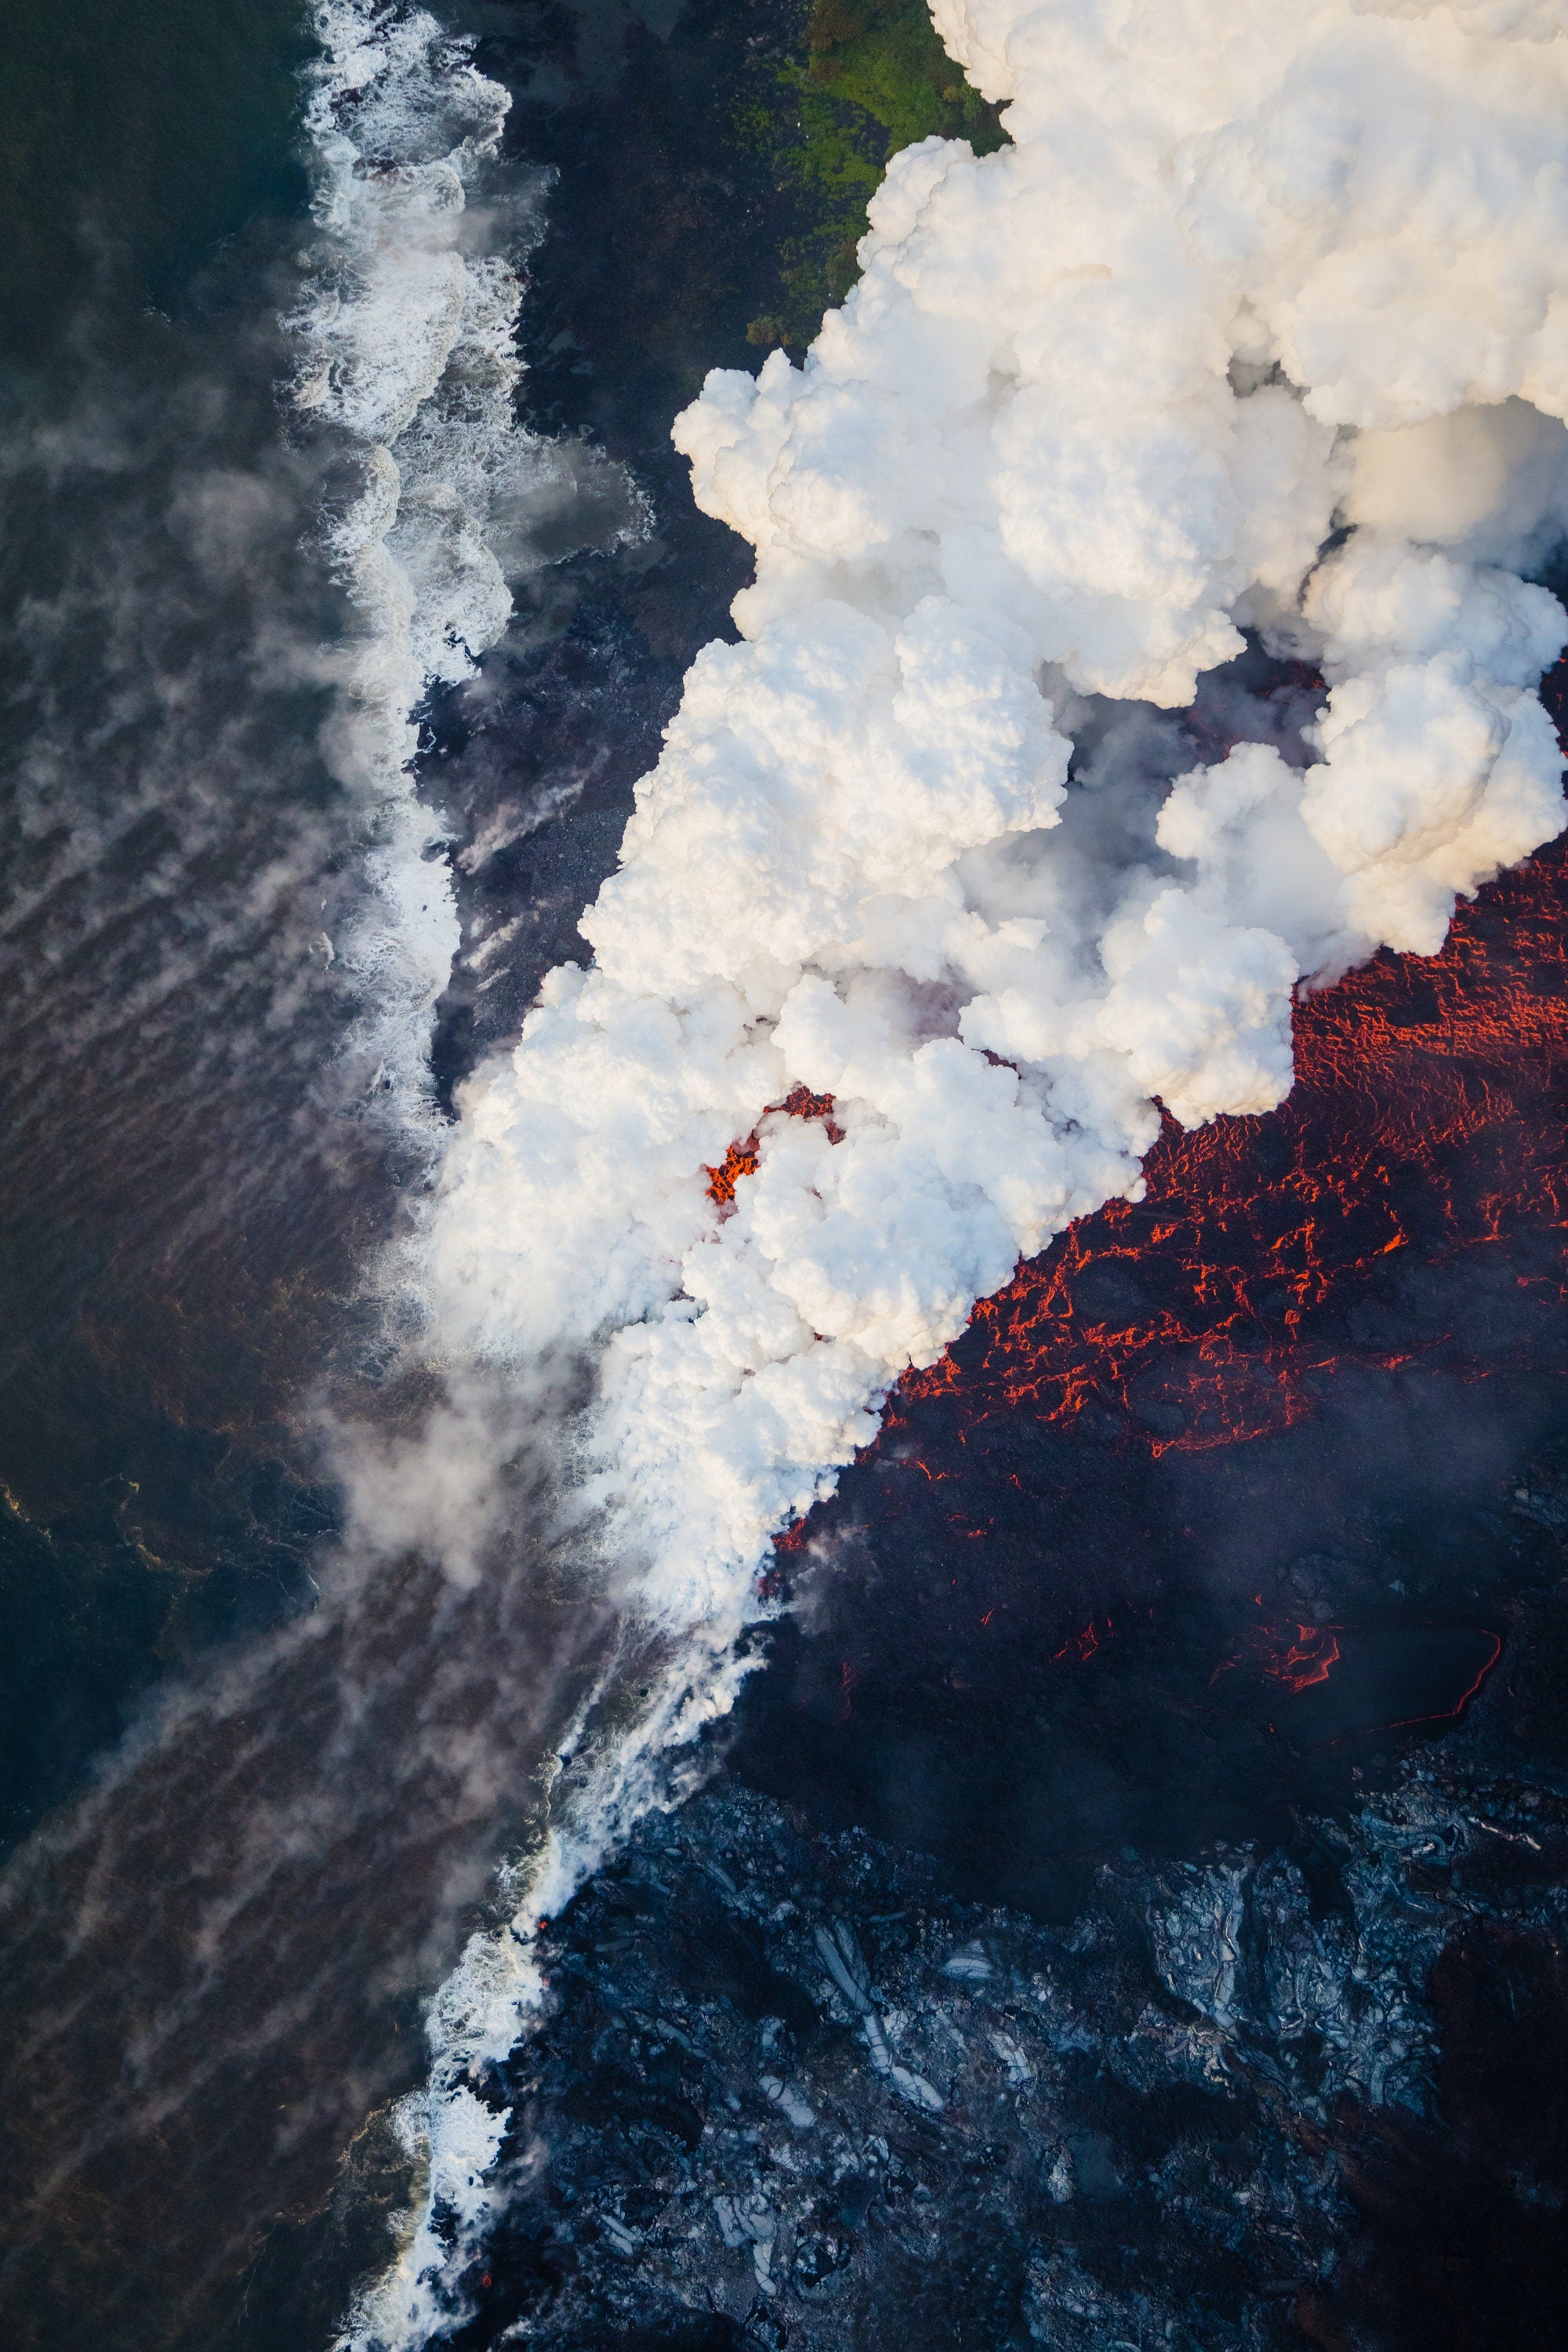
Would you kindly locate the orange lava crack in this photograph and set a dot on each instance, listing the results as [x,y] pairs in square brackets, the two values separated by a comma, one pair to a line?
[1430,1117]
[742,1158]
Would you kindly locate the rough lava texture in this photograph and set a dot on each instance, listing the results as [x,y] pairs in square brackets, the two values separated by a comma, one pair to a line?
[788,2089]
[1257,335]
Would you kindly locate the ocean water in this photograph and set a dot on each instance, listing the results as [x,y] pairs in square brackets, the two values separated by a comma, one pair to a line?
[270,490]
[169,1014]
[238,280]
[134,141]
[227,916]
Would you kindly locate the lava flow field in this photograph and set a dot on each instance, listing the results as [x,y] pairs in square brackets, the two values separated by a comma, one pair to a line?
[1225,1496]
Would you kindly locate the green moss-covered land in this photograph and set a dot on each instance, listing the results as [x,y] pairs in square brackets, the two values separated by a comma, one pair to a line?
[711,181]
[711,171]
[875,78]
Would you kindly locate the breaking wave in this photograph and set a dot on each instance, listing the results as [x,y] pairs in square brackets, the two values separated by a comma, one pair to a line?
[407,348]
[1248,355]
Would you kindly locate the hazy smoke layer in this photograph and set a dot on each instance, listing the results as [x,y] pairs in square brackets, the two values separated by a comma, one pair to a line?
[206,1957]
[1255,335]
[225,917]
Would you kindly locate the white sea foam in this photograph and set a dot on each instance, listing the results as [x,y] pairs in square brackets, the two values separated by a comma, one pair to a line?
[500,1988]
[1093,409]
[406,334]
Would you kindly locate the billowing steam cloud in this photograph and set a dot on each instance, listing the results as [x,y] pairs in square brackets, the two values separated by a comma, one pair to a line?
[1090,413]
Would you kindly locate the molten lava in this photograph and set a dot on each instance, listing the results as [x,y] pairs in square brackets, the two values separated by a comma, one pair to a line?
[1296,1655]
[1427,1119]
[742,1158]
[1082,1646]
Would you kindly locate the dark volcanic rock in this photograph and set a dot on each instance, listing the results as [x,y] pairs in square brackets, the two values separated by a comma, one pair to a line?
[794,2090]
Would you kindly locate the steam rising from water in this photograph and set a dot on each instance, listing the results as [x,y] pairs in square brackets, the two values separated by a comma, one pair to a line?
[1257,334]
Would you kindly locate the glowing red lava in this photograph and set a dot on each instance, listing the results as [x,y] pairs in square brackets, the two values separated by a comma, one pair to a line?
[1429,1117]
[1080,1647]
[1296,1655]
[741,1159]
[1451,1713]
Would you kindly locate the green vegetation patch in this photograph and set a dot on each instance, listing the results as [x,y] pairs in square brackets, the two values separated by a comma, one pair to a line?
[876,79]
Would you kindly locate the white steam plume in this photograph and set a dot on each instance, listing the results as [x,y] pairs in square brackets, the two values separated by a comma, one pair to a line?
[1260,322]
[1092,407]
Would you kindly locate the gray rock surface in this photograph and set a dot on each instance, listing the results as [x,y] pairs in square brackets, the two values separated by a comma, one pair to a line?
[793,2092]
